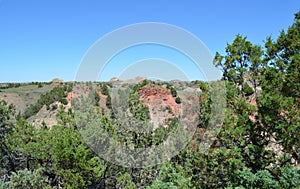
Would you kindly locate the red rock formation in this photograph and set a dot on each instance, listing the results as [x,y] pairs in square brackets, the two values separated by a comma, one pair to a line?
[160,102]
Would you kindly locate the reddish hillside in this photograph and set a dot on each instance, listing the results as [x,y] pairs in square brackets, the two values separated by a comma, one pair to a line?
[160,102]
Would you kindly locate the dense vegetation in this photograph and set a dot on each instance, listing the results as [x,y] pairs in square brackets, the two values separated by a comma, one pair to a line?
[257,147]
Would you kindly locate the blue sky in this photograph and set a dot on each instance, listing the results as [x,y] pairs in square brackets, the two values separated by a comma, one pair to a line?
[41,40]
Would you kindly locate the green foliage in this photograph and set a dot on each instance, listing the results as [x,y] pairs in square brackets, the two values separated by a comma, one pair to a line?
[178,100]
[104,90]
[172,176]
[203,86]
[279,103]
[7,113]
[40,85]
[283,55]
[63,101]
[137,108]
[241,57]
[124,182]
[173,92]
[140,85]
[286,178]
[94,96]
[27,179]
[71,158]
[97,98]
[213,169]
[60,151]
[108,102]
[248,90]
[65,118]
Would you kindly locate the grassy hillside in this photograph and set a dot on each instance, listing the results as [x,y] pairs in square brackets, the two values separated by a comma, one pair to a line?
[24,95]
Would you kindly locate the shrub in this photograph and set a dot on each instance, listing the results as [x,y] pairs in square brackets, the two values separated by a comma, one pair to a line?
[26,179]
[203,86]
[248,90]
[108,102]
[104,90]
[173,92]
[178,100]
[63,101]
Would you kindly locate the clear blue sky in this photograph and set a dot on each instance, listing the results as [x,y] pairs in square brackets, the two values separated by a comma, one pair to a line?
[43,39]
